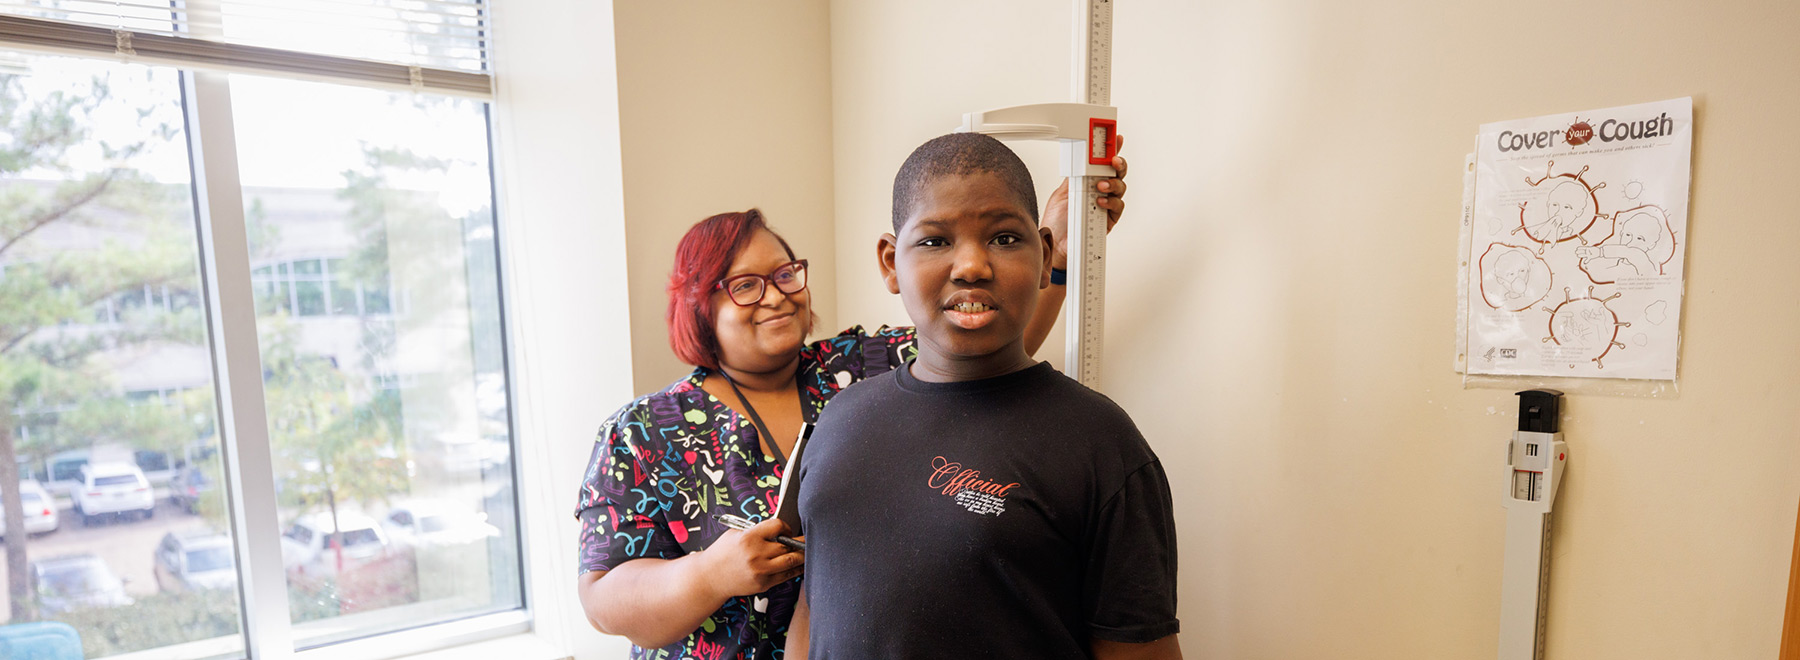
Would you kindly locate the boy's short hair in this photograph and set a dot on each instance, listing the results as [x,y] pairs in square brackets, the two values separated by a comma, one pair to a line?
[961,154]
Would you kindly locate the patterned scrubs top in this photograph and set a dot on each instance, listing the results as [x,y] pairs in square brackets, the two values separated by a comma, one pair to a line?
[666,463]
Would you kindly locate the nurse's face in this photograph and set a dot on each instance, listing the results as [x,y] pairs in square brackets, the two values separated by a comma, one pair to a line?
[767,335]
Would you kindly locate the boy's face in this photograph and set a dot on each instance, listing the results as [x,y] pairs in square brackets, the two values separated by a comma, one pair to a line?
[968,264]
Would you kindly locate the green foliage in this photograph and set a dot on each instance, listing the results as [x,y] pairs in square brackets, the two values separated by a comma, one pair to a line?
[339,444]
[211,507]
[155,621]
[46,127]
[383,583]
[46,364]
[55,360]
[313,601]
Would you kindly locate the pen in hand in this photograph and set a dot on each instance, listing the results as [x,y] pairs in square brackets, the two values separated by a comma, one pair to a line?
[744,525]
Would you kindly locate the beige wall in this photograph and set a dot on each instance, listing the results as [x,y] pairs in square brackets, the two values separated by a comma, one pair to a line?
[723,106]
[1282,305]
[904,73]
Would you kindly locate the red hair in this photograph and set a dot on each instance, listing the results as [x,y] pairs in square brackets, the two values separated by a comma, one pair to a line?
[702,258]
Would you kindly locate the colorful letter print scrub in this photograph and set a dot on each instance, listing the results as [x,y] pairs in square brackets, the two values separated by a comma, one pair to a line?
[666,463]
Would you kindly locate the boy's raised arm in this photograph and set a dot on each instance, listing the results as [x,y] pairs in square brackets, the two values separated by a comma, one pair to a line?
[1056,218]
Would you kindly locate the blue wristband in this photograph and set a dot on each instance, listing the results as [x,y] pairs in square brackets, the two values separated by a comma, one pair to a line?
[1059,276]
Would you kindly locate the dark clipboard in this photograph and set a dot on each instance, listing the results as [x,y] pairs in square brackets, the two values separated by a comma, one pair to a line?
[787,500]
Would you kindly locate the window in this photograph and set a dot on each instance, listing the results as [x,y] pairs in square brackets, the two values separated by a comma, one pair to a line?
[382,407]
[300,534]
[368,226]
[109,345]
[209,559]
[150,460]
[355,538]
[148,298]
[67,469]
[315,287]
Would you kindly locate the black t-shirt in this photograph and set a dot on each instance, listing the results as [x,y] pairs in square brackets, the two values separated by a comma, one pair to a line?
[1012,517]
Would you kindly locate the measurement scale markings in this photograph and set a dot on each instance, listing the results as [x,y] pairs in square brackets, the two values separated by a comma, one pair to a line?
[1088,308]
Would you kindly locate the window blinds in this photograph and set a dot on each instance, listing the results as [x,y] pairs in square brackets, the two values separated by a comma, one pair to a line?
[440,45]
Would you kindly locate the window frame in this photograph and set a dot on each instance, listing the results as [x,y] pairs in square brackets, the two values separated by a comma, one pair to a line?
[548,624]
[229,290]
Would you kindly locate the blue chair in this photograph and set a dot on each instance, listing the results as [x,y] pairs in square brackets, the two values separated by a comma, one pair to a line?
[46,640]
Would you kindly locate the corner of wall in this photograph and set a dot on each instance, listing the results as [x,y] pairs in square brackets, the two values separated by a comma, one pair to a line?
[722,107]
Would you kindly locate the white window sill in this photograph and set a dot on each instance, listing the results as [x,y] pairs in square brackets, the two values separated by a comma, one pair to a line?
[428,642]
[505,635]
[526,646]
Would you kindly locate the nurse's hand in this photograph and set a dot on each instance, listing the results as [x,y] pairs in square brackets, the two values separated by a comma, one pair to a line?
[750,561]
[1056,211]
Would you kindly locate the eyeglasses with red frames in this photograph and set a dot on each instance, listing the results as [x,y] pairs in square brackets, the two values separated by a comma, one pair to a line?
[748,289]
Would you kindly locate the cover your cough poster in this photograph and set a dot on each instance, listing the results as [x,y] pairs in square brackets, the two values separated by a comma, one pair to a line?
[1576,235]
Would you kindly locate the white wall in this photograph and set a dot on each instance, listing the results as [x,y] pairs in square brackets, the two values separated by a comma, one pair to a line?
[563,237]
[724,106]
[1282,305]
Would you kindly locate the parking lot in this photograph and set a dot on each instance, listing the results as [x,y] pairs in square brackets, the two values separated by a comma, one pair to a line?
[127,546]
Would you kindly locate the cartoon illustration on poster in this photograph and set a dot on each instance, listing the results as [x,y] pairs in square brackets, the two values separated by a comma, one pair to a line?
[1575,243]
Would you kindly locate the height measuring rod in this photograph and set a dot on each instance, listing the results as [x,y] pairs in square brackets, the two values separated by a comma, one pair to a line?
[1087,130]
[1534,465]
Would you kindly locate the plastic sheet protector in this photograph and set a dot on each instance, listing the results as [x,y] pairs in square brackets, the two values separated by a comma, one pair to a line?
[1576,231]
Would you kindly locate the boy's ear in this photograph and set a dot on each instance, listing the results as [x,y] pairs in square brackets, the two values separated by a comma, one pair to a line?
[1049,255]
[884,253]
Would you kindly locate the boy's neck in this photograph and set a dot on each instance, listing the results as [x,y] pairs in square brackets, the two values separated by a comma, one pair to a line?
[936,366]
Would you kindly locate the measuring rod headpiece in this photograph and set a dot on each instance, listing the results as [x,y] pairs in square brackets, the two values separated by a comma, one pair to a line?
[1089,133]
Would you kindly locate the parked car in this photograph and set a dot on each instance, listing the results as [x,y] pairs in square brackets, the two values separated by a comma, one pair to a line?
[40,509]
[311,545]
[113,488]
[63,471]
[195,561]
[72,582]
[461,455]
[189,486]
[158,466]
[436,522]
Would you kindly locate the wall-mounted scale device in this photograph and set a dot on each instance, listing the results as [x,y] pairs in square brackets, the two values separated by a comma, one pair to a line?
[1087,130]
[1535,458]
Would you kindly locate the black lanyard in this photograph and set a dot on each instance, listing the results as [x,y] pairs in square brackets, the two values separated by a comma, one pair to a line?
[755,419]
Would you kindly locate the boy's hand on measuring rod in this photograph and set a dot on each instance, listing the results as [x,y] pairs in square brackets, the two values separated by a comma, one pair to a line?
[1056,211]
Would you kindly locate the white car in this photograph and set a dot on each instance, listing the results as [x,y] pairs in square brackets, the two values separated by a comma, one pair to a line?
[194,560]
[113,488]
[312,545]
[73,582]
[436,523]
[40,509]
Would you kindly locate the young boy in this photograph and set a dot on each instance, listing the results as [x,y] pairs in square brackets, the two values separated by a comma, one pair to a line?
[975,503]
